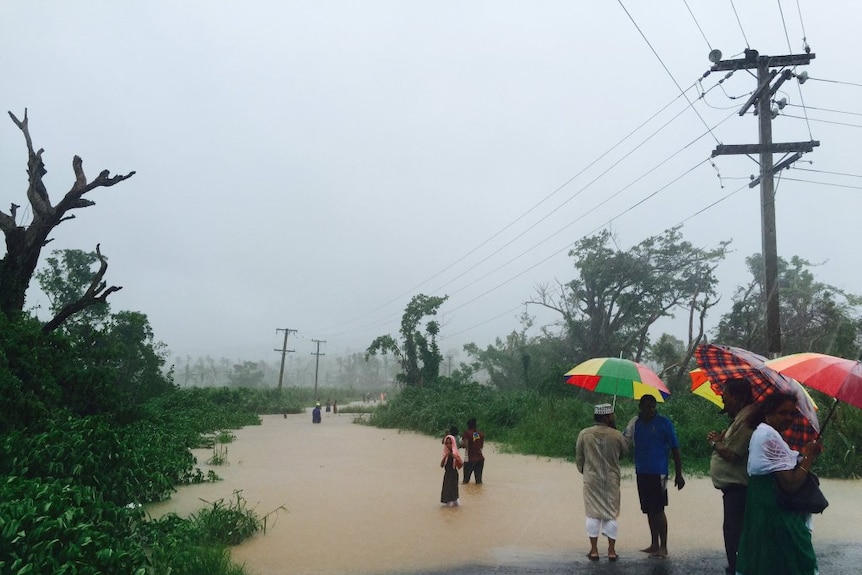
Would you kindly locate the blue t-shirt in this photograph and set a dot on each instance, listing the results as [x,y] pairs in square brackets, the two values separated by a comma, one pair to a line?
[653,441]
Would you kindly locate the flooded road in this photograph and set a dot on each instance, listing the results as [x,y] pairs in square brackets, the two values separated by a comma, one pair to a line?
[364,500]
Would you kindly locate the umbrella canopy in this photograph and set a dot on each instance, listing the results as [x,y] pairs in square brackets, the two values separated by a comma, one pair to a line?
[720,363]
[617,376]
[835,376]
[700,385]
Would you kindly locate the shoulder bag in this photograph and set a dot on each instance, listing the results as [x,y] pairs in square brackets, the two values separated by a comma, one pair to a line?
[807,499]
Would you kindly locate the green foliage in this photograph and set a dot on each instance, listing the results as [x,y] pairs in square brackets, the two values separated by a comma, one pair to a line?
[48,526]
[65,278]
[814,316]
[229,523]
[418,351]
[609,307]
[548,425]
[72,490]
[30,365]
[219,456]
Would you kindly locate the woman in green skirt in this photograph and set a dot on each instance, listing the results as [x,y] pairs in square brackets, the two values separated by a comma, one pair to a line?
[775,541]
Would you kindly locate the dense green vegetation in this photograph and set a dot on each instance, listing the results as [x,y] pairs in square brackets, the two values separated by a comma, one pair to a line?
[547,424]
[71,495]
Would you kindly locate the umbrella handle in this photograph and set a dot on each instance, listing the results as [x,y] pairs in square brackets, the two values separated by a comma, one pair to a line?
[828,417]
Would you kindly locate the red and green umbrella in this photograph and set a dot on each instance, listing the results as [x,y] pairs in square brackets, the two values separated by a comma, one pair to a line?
[617,376]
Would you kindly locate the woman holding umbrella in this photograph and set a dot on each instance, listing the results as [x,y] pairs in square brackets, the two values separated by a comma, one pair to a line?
[774,540]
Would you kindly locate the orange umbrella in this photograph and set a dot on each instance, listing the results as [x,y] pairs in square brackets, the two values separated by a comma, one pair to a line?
[700,385]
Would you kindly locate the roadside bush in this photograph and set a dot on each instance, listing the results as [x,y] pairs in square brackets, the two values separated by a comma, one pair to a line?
[49,527]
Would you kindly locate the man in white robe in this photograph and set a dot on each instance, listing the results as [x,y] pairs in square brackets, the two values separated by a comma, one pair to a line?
[597,455]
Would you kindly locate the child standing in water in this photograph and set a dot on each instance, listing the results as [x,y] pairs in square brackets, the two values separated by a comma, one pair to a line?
[450,463]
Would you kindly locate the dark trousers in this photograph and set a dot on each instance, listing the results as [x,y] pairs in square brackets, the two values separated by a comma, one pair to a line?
[734,513]
[471,467]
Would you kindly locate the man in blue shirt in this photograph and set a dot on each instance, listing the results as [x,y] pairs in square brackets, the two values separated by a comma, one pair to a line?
[654,437]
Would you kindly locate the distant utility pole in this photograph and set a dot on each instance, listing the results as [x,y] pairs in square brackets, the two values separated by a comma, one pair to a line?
[762,98]
[284,351]
[317,355]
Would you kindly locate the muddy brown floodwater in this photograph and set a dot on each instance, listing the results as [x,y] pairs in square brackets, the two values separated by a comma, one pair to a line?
[365,500]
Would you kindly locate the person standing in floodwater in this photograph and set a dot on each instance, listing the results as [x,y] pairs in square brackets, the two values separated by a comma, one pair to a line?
[597,455]
[654,437]
[450,463]
[315,414]
[473,441]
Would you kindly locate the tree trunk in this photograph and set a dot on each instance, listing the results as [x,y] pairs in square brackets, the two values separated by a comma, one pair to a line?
[24,243]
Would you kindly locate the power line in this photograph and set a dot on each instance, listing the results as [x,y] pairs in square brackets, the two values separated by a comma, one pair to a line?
[825,109]
[825,183]
[784,24]
[584,214]
[822,121]
[516,220]
[827,172]
[738,21]
[591,210]
[663,65]
[572,197]
[568,246]
[836,82]
[696,23]
[802,24]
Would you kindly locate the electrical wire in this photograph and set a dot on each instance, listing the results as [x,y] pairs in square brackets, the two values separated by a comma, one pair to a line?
[696,23]
[828,172]
[678,87]
[481,323]
[738,21]
[572,197]
[570,245]
[517,219]
[826,110]
[822,121]
[784,24]
[594,208]
[802,24]
[825,183]
[555,234]
[835,82]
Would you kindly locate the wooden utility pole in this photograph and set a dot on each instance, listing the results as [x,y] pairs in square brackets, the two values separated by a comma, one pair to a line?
[317,355]
[284,351]
[762,97]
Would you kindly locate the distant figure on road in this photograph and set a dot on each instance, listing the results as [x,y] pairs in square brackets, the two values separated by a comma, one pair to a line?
[315,414]
[597,455]
[473,441]
[334,407]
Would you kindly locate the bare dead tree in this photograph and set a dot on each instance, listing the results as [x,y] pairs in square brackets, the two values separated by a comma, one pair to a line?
[24,243]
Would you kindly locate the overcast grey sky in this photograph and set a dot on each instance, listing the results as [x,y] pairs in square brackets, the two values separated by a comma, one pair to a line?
[312,165]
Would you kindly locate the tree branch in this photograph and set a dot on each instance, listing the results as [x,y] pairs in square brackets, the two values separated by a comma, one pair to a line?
[96,293]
